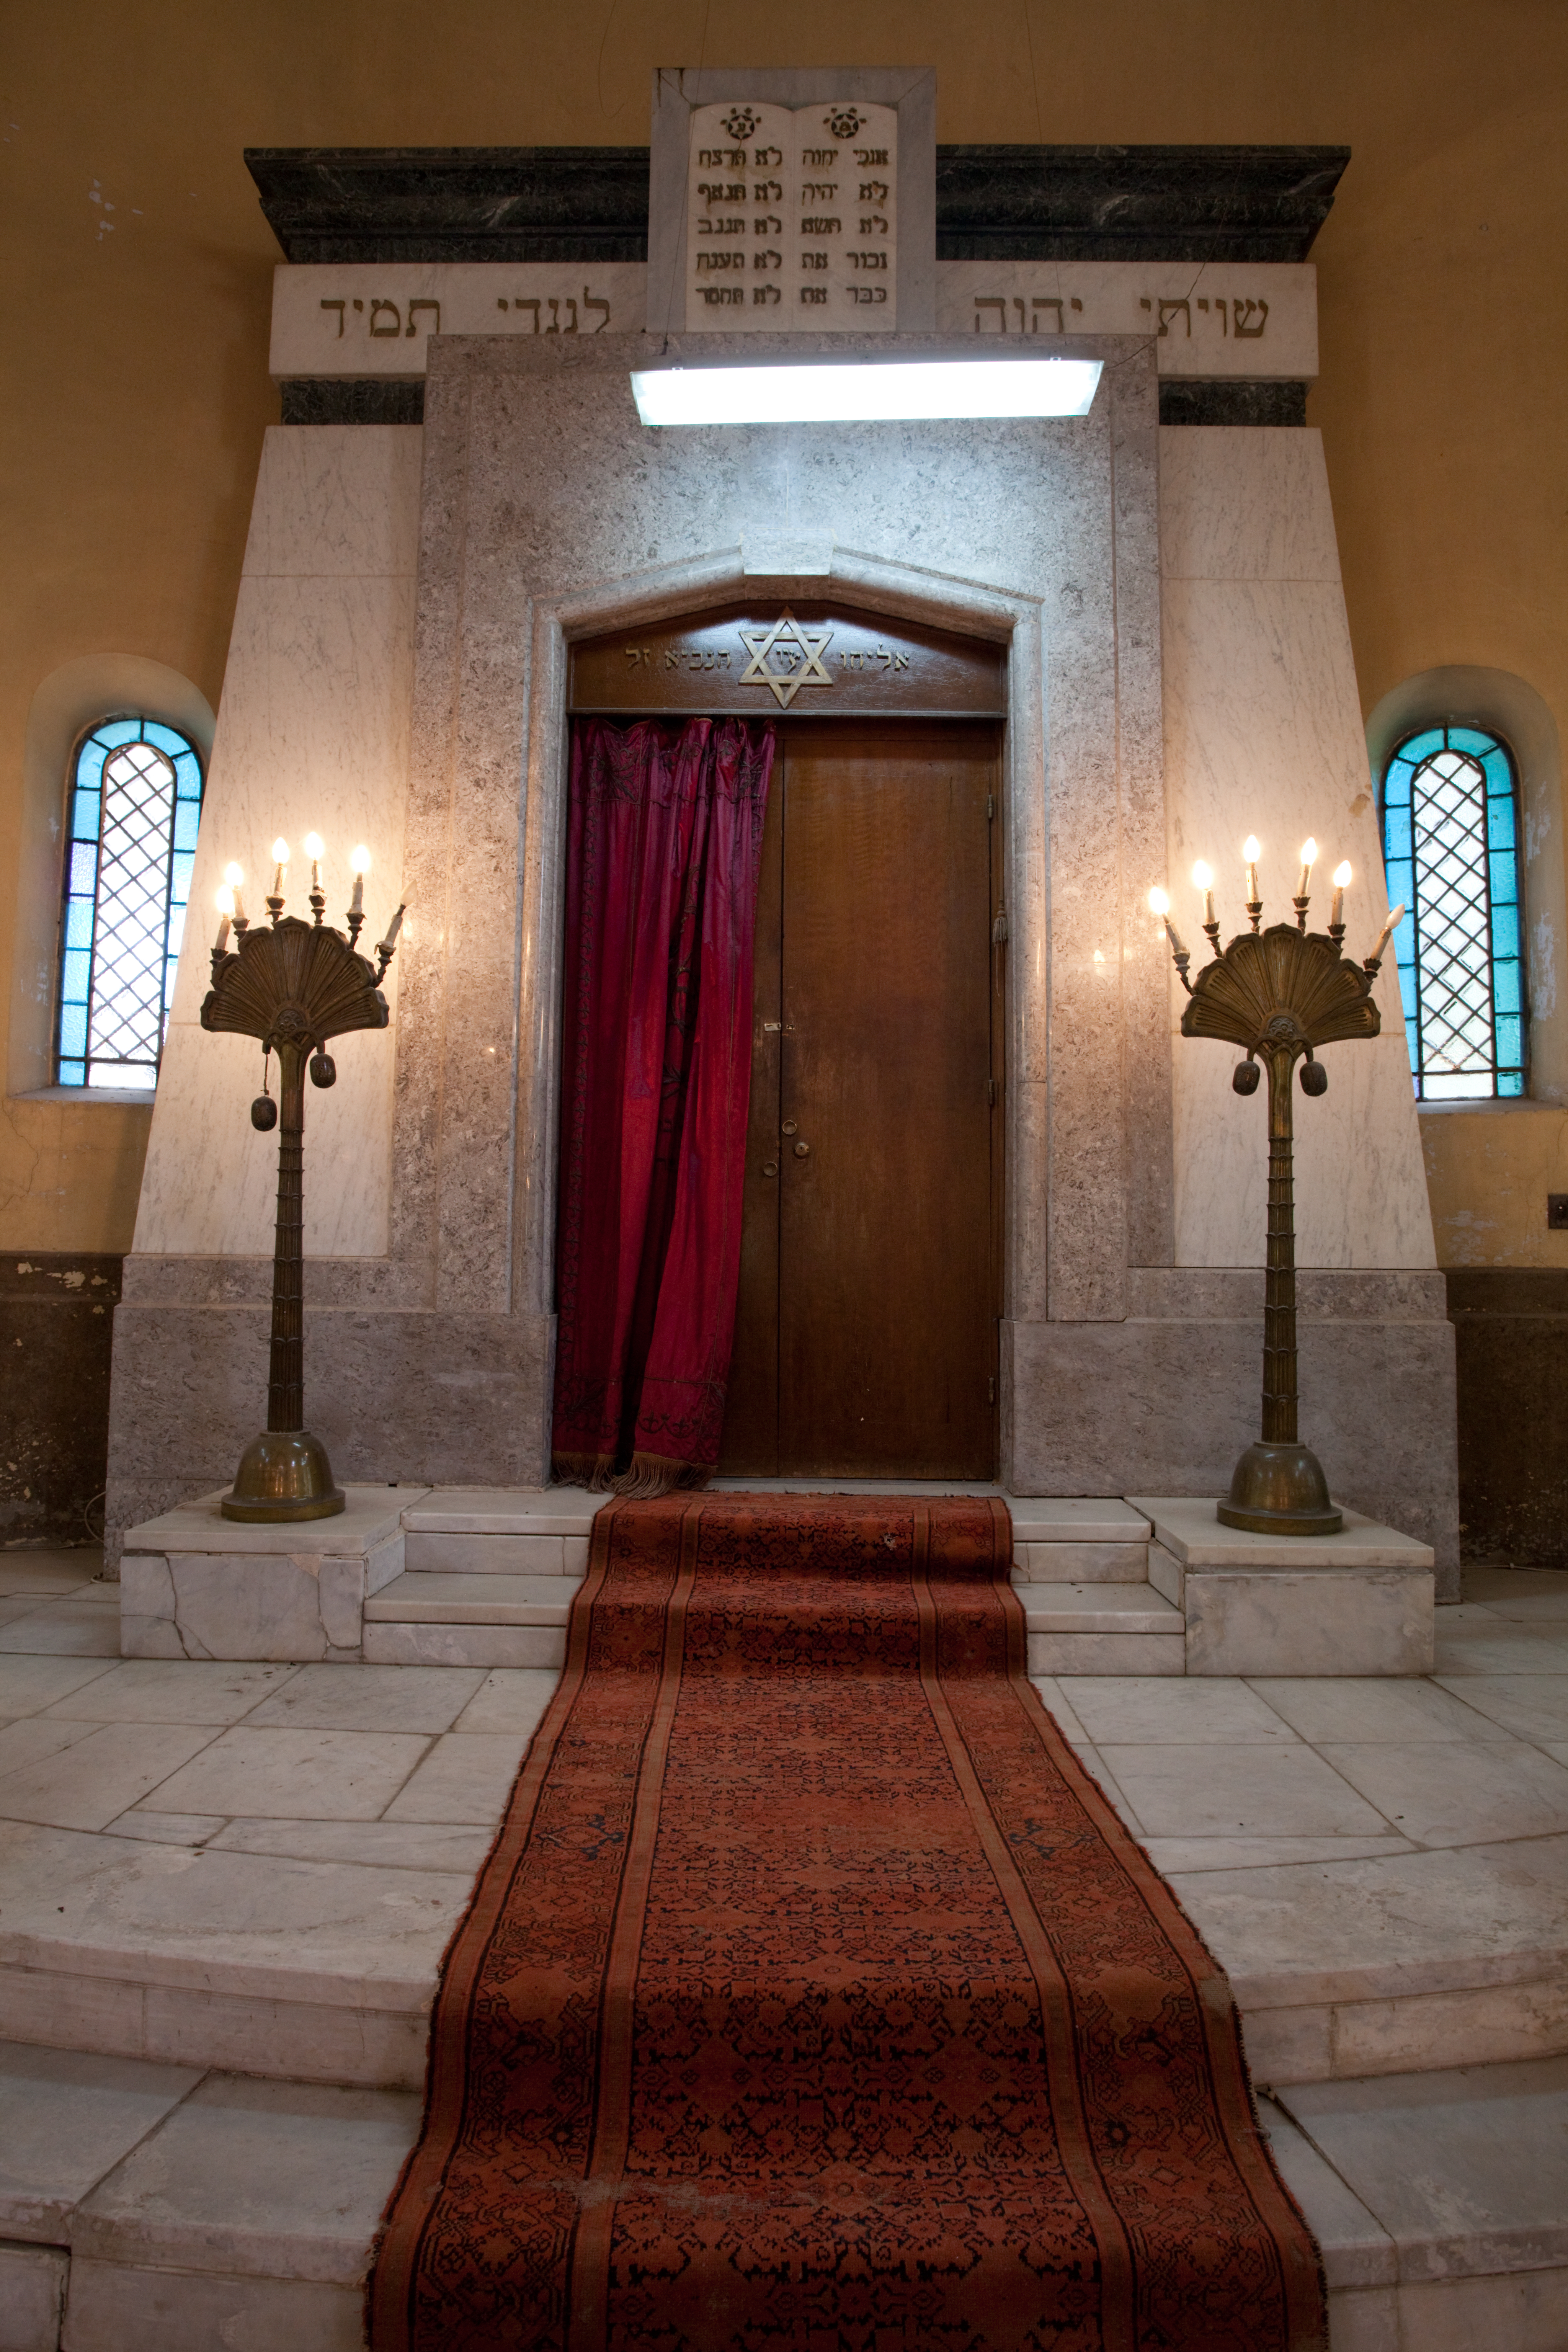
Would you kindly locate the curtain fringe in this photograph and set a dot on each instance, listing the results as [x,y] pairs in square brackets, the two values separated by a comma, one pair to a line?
[652,1474]
[595,1471]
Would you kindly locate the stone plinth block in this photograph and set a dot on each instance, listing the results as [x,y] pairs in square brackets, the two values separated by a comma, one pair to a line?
[1359,1603]
[196,1585]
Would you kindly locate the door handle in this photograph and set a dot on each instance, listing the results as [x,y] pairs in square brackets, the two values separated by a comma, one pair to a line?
[802,1150]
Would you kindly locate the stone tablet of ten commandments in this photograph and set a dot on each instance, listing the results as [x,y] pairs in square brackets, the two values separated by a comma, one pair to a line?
[792,217]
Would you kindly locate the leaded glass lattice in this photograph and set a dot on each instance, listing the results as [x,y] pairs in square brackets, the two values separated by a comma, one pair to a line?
[1450,840]
[136,804]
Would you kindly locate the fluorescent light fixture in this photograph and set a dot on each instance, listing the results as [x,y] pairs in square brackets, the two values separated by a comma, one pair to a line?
[840,391]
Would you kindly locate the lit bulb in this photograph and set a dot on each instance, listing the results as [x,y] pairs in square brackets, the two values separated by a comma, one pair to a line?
[360,861]
[1308,851]
[1159,902]
[1252,849]
[1342,875]
[315,847]
[1203,877]
[234,875]
[281,852]
[224,902]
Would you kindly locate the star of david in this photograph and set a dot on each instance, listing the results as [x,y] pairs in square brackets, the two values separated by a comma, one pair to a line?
[786,635]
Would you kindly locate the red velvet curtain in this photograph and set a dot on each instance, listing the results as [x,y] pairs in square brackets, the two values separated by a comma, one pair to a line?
[663,855]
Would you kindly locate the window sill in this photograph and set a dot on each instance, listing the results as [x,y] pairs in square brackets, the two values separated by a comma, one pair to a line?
[1491,1104]
[121,1095]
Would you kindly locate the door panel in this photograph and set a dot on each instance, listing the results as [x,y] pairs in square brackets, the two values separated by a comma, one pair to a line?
[868,1281]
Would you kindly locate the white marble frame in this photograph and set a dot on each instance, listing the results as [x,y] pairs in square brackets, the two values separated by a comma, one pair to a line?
[967,608]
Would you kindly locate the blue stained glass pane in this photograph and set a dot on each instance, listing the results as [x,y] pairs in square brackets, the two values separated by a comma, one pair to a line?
[79,922]
[187,816]
[1510,1082]
[1505,931]
[115,732]
[1504,867]
[1510,1042]
[1506,985]
[165,738]
[84,871]
[1500,823]
[1500,772]
[180,889]
[188,774]
[74,973]
[1396,784]
[1396,835]
[89,765]
[176,929]
[1408,994]
[1469,739]
[72,1073]
[73,1029]
[1421,746]
[85,812]
[1400,875]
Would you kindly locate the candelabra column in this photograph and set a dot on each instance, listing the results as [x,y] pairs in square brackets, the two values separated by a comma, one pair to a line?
[1280,1280]
[286,1371]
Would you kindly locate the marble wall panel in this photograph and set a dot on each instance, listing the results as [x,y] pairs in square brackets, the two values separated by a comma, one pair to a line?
[1262,734]
[1248,503]
[311,734]
[1097,1408]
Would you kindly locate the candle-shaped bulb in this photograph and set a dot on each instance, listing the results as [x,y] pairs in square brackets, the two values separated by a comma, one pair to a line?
[360,861]
[1202,879]
[281,852]
[1159,902]
[315,850]
[1309,859]
[1395,919]
[1251,850]
[224,904]
[234,875]
[393,928]
[1342,876]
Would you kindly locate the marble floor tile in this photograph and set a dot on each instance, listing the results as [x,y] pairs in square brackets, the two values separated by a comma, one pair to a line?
[1507,1651]
[48,1572]
[333,1776]
[27,1684]
[1458,1617]
[18,1604]
[168,1829]
[65,1629]
[1548,1609]
[173,1690]
[34,1736]
[372,1698]
[1467,2169]
[1116,1709]
[467,1777]
[1453,1795]
[32,2296]
[86,1785]
[394,1846]
[1185,1854]
[509,1698]
[1482,1583]
[116,2308]
[1327,1707]
[1059,1707]
[1248,1789]
[66,2117]
[259,2179]
[1357,2251]
[1532,1706]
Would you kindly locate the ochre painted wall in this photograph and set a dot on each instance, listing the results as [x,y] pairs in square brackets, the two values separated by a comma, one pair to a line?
[136,277]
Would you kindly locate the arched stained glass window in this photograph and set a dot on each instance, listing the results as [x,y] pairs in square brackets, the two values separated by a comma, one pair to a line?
[1450,842]
[136,804]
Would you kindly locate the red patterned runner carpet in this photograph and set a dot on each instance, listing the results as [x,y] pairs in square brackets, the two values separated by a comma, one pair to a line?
[812,1998]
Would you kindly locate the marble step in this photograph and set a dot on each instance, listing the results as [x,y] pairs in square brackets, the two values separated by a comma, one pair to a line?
[162,2209]
[1102,1629]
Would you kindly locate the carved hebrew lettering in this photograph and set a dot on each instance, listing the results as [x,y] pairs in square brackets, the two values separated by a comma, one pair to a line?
[873,191]
[766,159]
[1047,302]
[996,302]
[1168,311]
[817,159]
[423,305]
[340,308]
[596,302]
[396,326]
[813,293]
[869,156]
[769,225]
[867,293]
[528,306]
[766,294]
[1242,325]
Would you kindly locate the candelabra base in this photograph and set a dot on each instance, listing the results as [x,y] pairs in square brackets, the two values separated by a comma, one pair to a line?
[1280,1490]
[283,1475]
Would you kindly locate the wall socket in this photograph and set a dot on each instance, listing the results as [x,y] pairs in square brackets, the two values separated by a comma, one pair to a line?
[1557,1212]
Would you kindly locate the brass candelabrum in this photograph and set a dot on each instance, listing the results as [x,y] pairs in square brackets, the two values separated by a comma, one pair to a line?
[1279,994]
[294,985]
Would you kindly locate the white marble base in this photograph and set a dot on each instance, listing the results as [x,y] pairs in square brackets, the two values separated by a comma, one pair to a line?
[1356,1604]
[32,2297]
[195,1585]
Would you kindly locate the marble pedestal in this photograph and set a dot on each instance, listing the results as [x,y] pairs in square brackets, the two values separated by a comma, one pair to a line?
[195,1585]
[1359,1603]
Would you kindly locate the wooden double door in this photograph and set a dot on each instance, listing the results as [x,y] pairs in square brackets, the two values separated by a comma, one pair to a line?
[867,1331]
